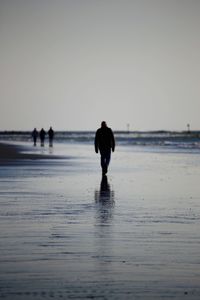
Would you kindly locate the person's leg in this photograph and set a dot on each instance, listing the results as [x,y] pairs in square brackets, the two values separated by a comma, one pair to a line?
[105,160]
[50,142]
[42,142]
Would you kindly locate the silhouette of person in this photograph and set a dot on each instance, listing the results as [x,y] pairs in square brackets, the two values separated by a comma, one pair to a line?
[51,136]
[42,136]
[104,142]
[34,136]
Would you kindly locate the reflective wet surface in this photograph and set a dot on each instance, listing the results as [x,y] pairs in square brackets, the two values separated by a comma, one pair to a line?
[66,232]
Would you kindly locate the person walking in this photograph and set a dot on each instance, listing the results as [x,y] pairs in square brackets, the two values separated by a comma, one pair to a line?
[42,136]
[51,136]
[34,136]
[104,143]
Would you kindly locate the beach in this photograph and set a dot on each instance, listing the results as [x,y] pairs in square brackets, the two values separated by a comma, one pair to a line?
[68,233]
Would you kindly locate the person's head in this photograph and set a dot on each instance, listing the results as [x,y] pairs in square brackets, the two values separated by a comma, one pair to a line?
[103,124]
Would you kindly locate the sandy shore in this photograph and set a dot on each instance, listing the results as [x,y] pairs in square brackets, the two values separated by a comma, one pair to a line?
[68,234]
[10,152]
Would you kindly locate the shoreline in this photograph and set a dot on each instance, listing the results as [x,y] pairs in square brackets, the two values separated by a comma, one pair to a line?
[10,152]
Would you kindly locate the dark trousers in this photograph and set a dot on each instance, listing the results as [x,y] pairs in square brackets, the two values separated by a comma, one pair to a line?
[50,142]
[105,159]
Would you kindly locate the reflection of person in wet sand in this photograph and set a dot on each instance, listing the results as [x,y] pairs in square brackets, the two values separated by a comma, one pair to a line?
[105,193]
[105,198]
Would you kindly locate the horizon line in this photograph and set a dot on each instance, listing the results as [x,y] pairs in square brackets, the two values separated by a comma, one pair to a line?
[93,130]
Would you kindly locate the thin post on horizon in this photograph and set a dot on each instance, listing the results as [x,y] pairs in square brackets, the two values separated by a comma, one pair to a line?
[128,127]
[188,127]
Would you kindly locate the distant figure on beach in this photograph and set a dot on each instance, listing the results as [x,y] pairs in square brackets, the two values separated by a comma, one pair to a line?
[34,136]
[104,142]
[51,136]
[42,136]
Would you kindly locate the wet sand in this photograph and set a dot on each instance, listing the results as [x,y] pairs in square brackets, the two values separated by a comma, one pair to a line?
[66,233]
[10,153]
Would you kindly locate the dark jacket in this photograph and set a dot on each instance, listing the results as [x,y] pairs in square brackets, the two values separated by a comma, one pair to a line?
[51,134]
[42,134]
[104,140]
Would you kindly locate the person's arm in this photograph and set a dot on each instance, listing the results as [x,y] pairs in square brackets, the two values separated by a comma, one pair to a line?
[96,143]
[112,141]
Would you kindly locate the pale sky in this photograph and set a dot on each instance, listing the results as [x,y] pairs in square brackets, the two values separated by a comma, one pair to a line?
[73,63]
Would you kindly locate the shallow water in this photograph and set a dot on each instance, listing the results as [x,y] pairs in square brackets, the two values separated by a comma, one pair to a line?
[66,233]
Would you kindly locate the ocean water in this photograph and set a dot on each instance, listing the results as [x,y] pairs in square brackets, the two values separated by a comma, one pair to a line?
[161,140]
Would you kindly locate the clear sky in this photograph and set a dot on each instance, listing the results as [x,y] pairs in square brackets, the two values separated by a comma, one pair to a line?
[73,63]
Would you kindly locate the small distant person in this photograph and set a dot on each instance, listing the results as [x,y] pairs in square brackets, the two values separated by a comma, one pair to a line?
[34,136]
[42,136]
[104,143]
[51,136]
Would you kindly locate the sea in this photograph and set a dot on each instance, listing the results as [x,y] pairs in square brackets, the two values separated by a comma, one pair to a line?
[179,141]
